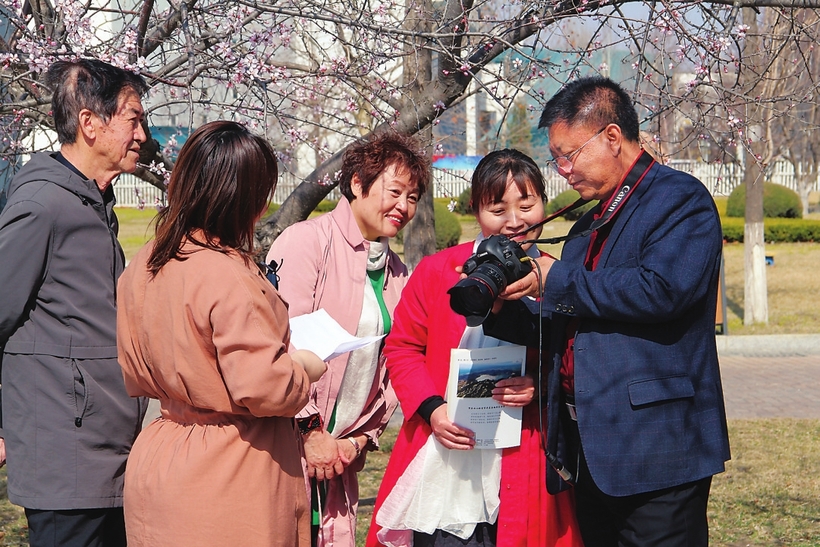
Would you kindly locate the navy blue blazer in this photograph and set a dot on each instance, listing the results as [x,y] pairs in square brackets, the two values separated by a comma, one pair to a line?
[647,384]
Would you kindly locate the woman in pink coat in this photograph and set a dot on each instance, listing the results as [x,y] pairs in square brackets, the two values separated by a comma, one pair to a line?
[437,490]
[342,262]
[202,330]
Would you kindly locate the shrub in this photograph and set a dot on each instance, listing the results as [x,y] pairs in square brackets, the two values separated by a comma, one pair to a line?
[778,202]
[463,202]
[775,230]
[565,198]
[272,208]
[326,206]
[448,228]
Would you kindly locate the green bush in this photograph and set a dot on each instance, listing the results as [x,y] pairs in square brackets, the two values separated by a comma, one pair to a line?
[775,230]
[778,202]
[272,208]
[448,228]
[565,198]
[326,206]
[463,202]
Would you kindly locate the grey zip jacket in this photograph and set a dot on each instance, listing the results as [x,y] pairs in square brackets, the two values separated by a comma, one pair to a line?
[67,421]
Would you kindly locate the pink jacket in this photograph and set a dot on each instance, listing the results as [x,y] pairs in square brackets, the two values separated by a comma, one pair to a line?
[323,265]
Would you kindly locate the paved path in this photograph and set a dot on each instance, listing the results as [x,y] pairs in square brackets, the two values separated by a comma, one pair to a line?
[771,376]
[771,387]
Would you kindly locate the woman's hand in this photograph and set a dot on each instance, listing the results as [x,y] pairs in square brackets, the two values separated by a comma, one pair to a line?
[322,455]
[347,451]
[517,391]
[449,434]
[314,366]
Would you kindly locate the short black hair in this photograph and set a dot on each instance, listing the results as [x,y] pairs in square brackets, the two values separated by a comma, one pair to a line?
[87,83]
[489,182]
[594,101]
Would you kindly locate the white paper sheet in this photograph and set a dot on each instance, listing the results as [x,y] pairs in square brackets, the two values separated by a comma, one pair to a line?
[321,334]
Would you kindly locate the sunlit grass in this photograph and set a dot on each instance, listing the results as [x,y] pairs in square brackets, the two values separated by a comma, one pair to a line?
[136,228]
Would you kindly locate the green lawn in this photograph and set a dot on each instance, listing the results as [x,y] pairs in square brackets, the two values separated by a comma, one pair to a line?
[136,228]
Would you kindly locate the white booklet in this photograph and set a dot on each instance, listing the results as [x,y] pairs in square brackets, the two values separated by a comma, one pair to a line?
[321,334]
[473,375]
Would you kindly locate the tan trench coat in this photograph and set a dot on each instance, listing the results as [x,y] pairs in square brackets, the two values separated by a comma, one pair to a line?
[208,337]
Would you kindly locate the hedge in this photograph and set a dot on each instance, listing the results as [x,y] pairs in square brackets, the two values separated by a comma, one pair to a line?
[463,202]
[326,206]
[448,228]
[775,230]
[565,198]
[778,202]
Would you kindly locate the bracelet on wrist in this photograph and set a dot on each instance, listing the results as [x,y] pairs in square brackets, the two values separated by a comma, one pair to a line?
[355,444]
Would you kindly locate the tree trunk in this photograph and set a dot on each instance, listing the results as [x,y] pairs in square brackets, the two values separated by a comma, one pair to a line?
[420,234]
[755,305]
[805,179]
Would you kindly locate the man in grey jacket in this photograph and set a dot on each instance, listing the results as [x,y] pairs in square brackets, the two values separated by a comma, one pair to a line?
[68,424]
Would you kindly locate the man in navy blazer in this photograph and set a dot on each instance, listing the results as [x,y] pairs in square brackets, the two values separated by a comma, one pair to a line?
[635,399]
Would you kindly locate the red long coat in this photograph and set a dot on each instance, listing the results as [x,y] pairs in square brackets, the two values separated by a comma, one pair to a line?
[425,329]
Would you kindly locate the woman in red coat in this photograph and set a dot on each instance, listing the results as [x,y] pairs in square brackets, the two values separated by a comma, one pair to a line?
[437,490]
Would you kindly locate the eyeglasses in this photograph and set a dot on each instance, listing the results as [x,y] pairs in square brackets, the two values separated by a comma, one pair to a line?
[564,163]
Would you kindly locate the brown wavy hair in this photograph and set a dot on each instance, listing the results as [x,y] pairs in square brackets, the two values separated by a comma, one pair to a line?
[220,185]
[369,158]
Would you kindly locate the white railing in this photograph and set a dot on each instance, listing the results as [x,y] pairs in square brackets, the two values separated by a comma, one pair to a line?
[134,192]
[720,179]
[449,183]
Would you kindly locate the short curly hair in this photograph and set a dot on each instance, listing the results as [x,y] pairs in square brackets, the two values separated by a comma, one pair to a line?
[369,158]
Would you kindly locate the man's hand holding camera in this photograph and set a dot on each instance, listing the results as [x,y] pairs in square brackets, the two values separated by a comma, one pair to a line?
[529,285]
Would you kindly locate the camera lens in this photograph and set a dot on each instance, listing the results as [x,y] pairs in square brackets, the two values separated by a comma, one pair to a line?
[473,297]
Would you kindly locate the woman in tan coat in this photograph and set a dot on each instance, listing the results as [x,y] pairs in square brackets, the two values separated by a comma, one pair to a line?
[202,330]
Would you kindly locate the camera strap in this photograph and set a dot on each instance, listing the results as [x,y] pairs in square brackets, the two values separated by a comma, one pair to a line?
[637,172]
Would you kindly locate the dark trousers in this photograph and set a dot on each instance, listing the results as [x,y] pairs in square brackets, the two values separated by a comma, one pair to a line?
[483,536]
[76,528]
[672,517]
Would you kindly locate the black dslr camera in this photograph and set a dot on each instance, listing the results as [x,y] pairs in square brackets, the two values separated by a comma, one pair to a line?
[498,261]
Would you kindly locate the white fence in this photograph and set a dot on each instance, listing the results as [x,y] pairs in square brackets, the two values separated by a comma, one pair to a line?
[450,183]
[134,192]
[720,179]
